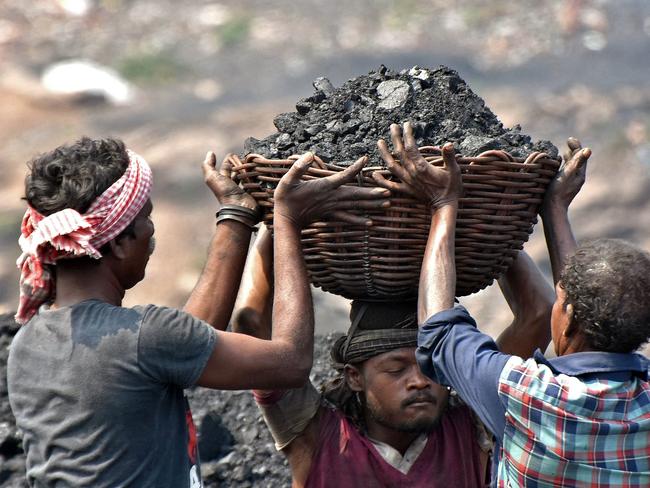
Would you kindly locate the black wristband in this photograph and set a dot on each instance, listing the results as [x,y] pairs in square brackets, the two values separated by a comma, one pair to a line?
[254,216]
[237,218]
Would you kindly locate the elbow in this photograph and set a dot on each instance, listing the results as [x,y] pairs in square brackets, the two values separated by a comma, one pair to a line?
[299,378]
[297,375]
[248,321]
[302,370]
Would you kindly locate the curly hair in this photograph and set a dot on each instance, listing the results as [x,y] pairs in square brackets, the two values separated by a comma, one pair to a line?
[608,283]
[73,176]
[339,394]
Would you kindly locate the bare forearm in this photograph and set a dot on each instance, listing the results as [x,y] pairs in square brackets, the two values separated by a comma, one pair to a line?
[559,238]
[293,313]
[438,277]
[530,298]
[214,295]
[252,315]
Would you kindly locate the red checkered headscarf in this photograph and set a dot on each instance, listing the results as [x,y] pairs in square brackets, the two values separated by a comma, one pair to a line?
[67,233]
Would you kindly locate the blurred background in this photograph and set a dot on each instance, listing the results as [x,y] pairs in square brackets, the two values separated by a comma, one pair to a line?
[176,78]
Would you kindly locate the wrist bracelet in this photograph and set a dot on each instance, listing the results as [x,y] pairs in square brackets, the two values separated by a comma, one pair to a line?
[254,216]
[237,218]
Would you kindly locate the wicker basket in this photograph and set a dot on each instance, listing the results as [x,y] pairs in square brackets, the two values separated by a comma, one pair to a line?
[502,195]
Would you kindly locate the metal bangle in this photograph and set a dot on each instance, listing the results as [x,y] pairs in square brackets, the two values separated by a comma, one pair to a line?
[237,218]
[255,216]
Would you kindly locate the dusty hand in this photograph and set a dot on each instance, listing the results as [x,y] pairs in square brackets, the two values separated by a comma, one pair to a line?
[570,178]
[221,183]
[303,201]
[437,186]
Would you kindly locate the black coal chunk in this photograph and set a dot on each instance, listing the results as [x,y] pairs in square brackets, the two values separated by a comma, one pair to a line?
[341,124]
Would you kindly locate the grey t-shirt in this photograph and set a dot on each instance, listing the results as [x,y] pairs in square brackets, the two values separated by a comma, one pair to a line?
[98,392]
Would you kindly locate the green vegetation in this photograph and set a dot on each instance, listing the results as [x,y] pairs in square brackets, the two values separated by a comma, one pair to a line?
[150,68]
[235,31]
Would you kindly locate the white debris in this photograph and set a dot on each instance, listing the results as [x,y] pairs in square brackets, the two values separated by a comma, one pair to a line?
[393,93]
[78,8]
[83,77]
[214,14]
[207,89]
[594,40]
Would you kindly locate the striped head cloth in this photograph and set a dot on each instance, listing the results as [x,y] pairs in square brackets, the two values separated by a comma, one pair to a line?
[67,233]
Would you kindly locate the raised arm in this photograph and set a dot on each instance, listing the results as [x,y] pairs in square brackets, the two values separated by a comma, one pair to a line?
[439,188]
[214,294]
[451,350]
[530,298]
[290,415]
[252,314]
[243,362]
[561,192]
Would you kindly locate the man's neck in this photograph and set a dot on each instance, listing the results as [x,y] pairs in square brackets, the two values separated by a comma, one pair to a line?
[397,439]
[77,283]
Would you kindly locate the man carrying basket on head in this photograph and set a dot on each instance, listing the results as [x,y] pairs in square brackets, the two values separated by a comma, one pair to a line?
[382,422]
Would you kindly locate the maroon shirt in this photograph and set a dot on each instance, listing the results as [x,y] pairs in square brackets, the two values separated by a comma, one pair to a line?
[348,459]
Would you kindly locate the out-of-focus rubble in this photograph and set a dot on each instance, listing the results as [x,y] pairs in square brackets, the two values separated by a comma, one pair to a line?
[84,79]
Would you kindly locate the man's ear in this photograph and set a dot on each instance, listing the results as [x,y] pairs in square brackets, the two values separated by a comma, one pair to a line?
[117,246]
[354,378]
[571,326]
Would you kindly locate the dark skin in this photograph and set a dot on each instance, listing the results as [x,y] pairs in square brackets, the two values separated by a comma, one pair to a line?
[237,361]
[400,401]
[441,187]
[391,380]
[567,336]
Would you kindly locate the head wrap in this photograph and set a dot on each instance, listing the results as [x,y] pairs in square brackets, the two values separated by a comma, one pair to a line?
[376,328]
[67,233]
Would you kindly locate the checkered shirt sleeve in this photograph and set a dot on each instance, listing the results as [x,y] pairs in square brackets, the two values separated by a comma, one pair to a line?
[576,432]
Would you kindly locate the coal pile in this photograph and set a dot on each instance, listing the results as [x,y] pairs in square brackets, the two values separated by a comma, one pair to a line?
[343,124]
[235,446]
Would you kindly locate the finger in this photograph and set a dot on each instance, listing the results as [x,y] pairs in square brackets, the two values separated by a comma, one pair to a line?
[393,186]
[360,204]
[396,137]
[349,174]
[579,159]
[574,144]
[299,167]
[583,156]
[414,158]
[386,155]
[343,216]
[209,163]
[449,157]
[391,164]
[226,167]
[358,193]
[409,138]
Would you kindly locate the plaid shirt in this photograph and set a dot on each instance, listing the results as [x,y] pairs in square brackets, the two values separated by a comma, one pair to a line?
[566,430]
[581,420]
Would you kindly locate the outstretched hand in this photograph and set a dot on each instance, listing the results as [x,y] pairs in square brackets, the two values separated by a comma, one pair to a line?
[222,185]
[303,201]
[570,178]
[437,186]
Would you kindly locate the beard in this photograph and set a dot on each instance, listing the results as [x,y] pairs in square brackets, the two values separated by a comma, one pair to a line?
[152,245]
[422,424]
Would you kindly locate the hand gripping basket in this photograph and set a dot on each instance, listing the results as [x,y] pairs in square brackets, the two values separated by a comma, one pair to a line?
[497,212]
